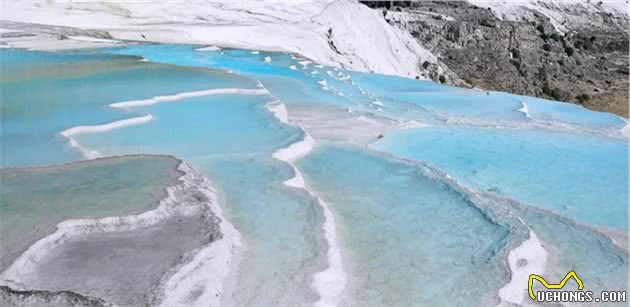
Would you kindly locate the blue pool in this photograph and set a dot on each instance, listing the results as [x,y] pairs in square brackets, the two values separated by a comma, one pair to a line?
[425,215]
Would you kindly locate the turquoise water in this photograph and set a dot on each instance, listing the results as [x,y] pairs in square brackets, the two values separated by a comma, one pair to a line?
[410,240]
[442,100]
[600,264]
[231,138]
[281,229]
[286,84]
[220,125]
[406,238]
[580,176]
[45,93]
[570,113]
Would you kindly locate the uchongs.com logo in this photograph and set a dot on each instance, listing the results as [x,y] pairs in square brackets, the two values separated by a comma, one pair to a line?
[556,293]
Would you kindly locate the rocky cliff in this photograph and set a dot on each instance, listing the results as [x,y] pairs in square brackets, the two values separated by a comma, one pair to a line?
[568,51]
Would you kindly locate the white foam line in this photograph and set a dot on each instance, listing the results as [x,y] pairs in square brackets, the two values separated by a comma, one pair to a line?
[412,124]
[87,153]
[205,271]
[210,266]
[625,130]
[180,96]
[524,109]
[324,85]
[208,48]
[279,110]
[74,131]
[534,258]
[296,150]
[330,282]
[93,154]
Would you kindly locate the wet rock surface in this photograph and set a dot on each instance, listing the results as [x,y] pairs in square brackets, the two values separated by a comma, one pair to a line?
[122,260]
[124,267]
[35,298]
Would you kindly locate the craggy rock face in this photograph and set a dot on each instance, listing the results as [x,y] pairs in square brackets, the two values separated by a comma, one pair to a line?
[29,298]
[585,61]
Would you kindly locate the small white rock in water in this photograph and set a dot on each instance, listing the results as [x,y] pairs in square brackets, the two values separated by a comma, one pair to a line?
[209,48]
[255,52]
[292,67]
[267,59]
